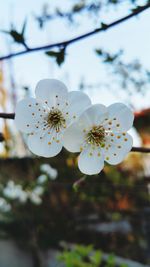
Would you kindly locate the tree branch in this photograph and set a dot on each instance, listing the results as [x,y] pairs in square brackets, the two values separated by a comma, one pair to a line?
[7,116]
[140,149]
[134,149]
[103,27]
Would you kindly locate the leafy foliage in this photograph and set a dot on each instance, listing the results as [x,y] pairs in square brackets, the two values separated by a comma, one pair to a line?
[86,256]
[59,56]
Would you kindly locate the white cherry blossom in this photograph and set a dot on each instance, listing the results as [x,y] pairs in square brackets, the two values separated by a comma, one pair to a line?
[100,134]
[45,118]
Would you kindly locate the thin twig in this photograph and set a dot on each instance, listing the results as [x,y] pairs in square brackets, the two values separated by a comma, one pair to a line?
[7,116]
[104,27]
[141,149]
[134,149]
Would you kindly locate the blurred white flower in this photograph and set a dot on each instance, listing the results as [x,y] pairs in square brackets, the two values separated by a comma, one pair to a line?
[42,179]
[51,172]
[35,199]
[46,117]
[4,205]
[101,135]
[35,195]
[14,191]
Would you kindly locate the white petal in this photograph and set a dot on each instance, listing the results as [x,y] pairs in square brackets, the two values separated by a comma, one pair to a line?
[45,147]
[117,150]
[52,92]
[123,115]
[27,114]
[77,103]
[91,161]
[73,138]
[94,115]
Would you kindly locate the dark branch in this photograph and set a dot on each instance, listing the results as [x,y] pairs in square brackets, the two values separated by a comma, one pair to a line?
[134,149]
[104,27]
[141,149]
[7,116]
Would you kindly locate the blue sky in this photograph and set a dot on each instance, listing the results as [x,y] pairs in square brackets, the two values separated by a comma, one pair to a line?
[81,62]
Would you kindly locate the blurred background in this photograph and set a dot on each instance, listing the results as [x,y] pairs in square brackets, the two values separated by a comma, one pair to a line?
[51,215]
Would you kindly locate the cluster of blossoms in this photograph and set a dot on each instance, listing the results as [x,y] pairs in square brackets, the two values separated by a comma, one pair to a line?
[13,191]
[57,118]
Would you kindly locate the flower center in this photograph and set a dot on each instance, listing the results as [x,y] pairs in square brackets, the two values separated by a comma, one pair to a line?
[56,120]
[96,136]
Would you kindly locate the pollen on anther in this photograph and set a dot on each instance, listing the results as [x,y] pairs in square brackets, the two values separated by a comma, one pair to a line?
[112,140]
[49,143]
[53,138]
[118,125]
[112,134]
[33,114]
[123,134]
[57,141]
[118,136]
[110,123]
[125,139]
[67,113]
[98,154]
[107,158]
[81,149]
[90,154]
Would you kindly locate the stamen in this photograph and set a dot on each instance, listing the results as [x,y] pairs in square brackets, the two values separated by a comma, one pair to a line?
[96,136]
[55,120]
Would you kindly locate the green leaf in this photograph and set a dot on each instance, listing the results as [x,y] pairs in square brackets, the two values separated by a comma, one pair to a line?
[59,56]
[24,27]
[18,37]
[104,26]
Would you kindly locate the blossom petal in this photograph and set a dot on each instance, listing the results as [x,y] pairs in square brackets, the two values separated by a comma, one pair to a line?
[117,148]
[120,116]
[52,92]
[28,112]
[91,161]
[73,138]
[45,146]
[94,115]
[77,103]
